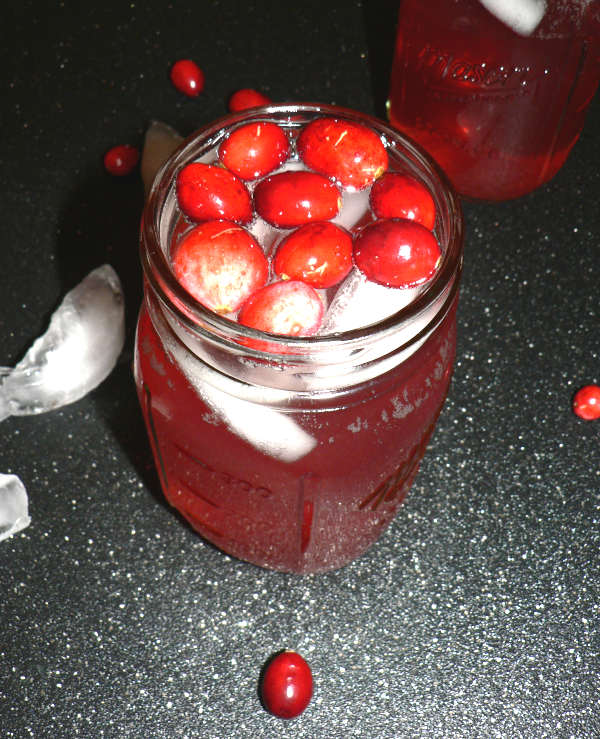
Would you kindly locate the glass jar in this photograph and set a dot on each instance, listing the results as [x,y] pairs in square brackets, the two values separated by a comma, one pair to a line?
[497,98]
[295,457]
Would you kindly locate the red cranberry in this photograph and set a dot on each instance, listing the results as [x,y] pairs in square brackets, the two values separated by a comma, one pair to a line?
[396,252]
[293,198]
[254,150]
[287,308]
[121,160]
[397,195]
[206,191]
[349,153]
[247,98]
[586,402]
[220,264]
[287,685]
[187,77]
[319,254]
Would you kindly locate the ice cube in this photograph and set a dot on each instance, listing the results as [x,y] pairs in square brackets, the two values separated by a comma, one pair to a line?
[270,431]
[160,142]
[267,429]
[359,302]
[355,206]
[79,349]
[523,16]
[14,512]
[266,235]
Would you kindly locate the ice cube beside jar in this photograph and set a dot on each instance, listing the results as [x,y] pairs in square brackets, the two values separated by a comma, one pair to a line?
[293,451]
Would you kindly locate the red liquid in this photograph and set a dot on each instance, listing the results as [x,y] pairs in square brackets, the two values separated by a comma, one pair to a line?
[499,112]
[320,511]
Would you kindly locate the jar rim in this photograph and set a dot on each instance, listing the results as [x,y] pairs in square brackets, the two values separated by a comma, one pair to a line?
[197,317]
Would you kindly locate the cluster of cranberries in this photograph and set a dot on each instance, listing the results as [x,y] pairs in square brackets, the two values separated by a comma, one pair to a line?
[221,264]
[188,78]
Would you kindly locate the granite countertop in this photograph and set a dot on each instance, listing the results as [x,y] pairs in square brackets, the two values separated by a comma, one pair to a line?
[475,615]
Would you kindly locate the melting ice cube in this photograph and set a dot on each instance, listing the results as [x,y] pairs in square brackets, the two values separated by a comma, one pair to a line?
[14,513]
[359,302]
[80,348]
[160,142]
[355,206]
[271,431]
[266,235]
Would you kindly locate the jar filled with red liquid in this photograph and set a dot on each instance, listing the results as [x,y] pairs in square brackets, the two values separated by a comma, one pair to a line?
[495,90]
[291,453]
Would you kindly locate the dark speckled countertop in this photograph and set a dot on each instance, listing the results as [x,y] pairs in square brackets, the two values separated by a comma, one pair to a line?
[476,615]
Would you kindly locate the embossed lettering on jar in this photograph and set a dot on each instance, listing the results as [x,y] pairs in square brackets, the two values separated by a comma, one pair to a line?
[500,111]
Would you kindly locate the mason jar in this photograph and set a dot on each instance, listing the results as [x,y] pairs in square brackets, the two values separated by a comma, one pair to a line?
[495,90]
[293,453]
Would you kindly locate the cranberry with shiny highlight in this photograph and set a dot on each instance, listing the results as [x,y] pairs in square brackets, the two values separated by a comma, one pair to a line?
[206,191]
[292,198]
[586,403]
[187,77]
[254,150]
[397,195]
[287,685]
[397,253]
[121,160]
[247,98]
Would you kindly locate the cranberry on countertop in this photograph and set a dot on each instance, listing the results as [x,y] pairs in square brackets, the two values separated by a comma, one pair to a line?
[187,77]
[586,402]
[287,685]
[247,98]
[121,160]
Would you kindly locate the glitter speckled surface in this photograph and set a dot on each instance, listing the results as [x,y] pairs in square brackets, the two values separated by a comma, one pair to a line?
[476,615]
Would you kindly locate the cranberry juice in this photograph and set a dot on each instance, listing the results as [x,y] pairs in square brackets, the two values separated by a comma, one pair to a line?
[292,454]
[499,111]
[307,515]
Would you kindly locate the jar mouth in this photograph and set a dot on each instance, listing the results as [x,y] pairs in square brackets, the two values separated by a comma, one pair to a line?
[219,330]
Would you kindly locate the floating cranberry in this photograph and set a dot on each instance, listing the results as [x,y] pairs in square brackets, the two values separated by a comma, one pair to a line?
[586,402]
[187,77]
[205,192]
[288,308]
[396,195]
[350,153]
[287,685]
[396,253]
[220,264]
[247,98]
[121,160]
[293,198]
[254,150]
[319,254]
